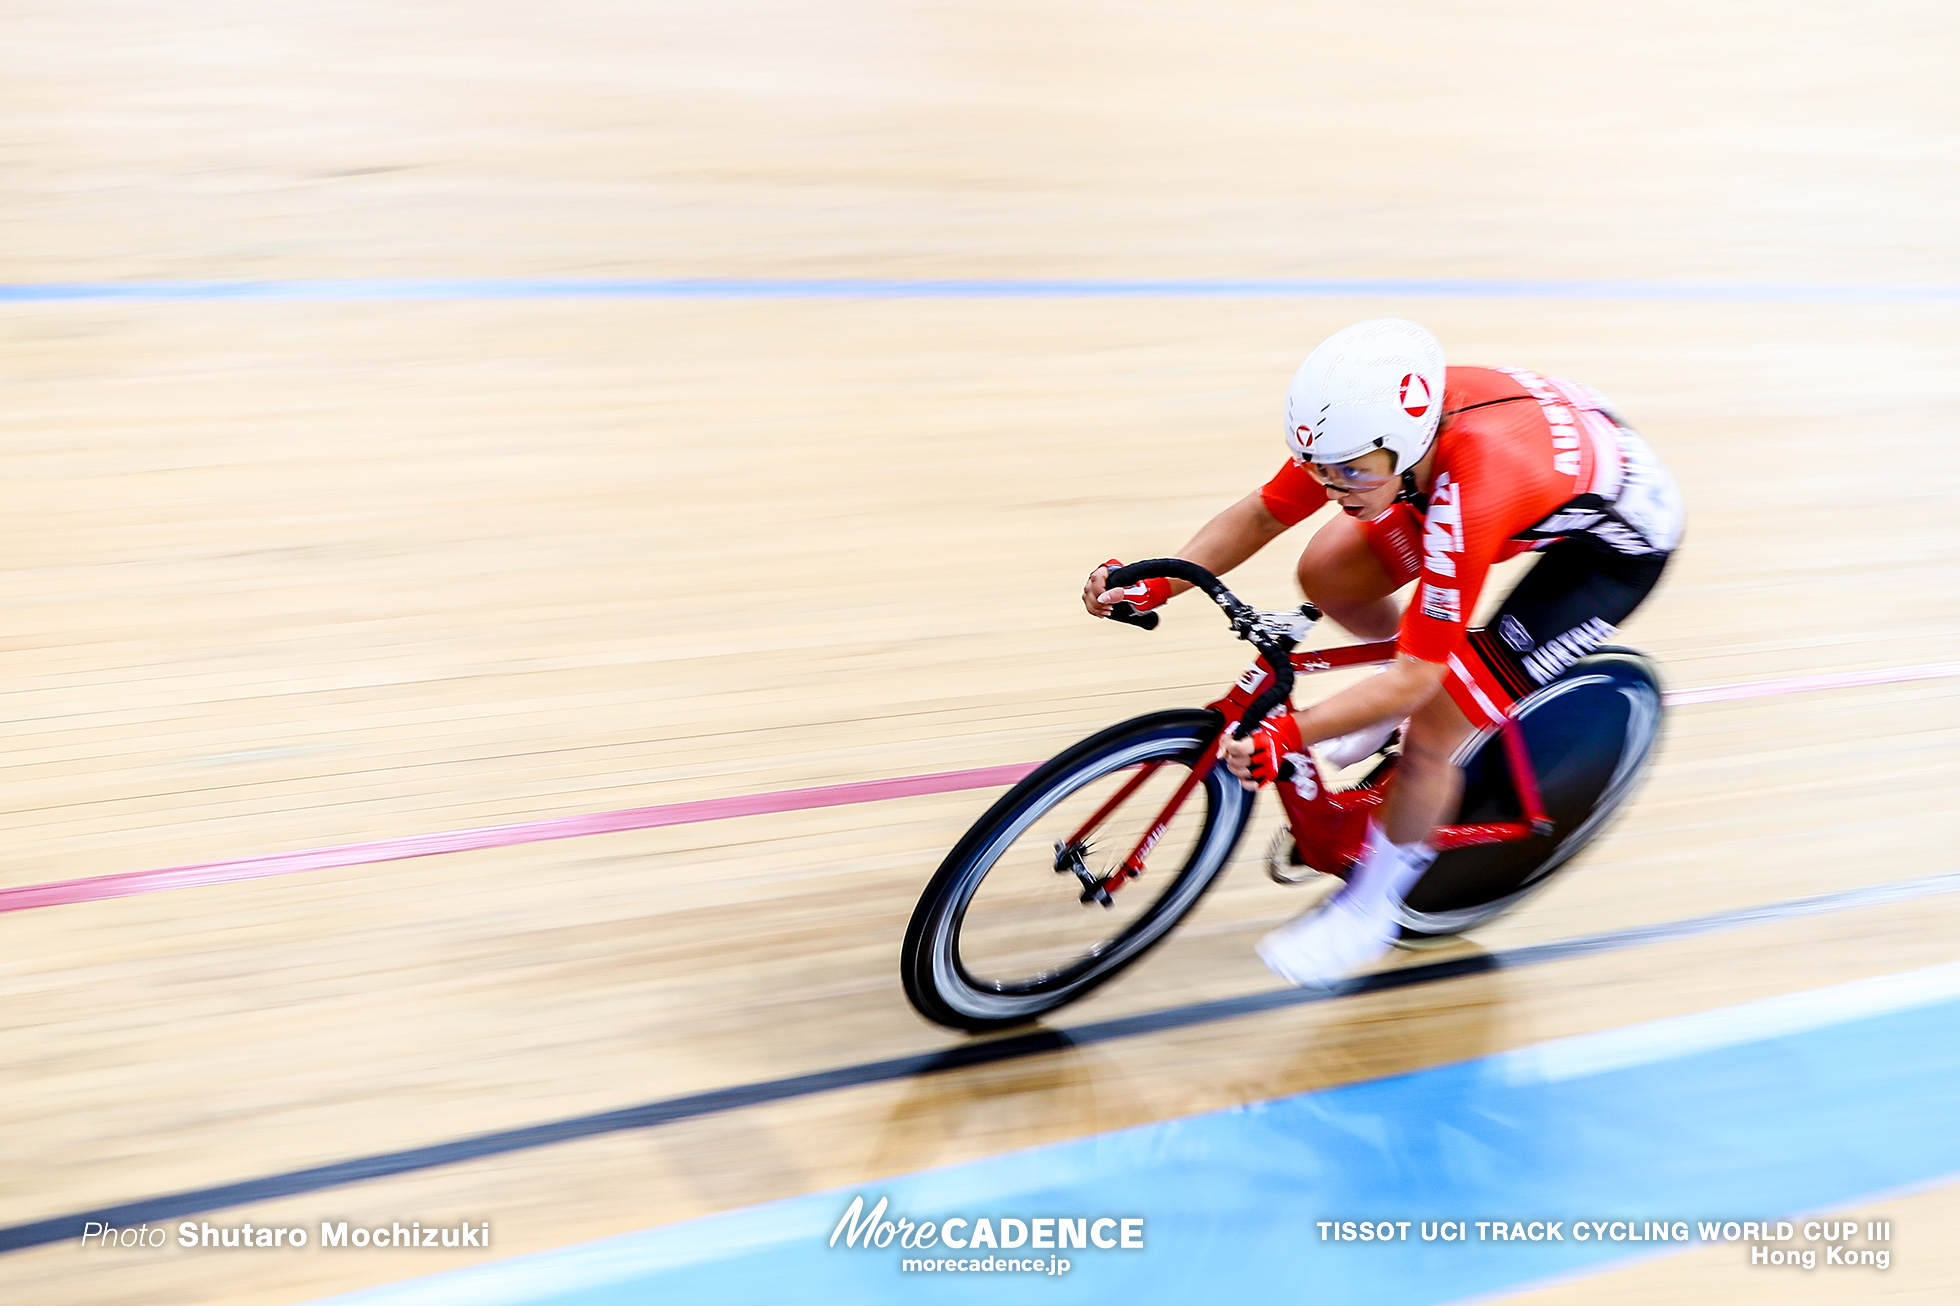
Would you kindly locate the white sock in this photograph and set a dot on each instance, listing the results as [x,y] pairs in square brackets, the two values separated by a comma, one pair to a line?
[1387,871]
[1357,925]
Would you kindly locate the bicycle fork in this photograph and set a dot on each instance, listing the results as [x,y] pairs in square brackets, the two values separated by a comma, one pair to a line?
[1069,852]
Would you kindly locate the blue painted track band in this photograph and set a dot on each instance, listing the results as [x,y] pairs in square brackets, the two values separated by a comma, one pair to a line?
[1762,1112]
[172,1206]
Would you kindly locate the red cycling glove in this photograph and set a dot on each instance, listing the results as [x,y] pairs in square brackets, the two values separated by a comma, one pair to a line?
[1145,594]
[1277,735]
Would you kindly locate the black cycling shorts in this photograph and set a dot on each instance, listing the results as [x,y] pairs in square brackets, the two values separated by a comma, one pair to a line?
[1571,601]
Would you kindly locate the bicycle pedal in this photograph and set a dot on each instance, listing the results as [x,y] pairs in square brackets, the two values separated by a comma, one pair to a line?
[1283,862]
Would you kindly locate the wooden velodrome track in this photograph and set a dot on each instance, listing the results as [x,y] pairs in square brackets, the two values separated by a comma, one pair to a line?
[288,574]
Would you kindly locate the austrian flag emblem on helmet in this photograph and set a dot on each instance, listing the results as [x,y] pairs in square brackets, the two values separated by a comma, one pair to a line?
[1415,395]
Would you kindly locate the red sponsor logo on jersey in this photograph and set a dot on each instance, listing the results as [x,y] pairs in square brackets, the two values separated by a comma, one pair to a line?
[1415,395]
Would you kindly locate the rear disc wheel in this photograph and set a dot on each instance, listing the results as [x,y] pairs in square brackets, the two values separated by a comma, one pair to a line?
[1589,733]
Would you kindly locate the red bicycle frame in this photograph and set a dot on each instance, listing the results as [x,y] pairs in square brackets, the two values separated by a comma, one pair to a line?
[1328,826]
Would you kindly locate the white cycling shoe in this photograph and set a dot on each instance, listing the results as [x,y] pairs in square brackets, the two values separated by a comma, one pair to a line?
[1327,944]
[1354,928]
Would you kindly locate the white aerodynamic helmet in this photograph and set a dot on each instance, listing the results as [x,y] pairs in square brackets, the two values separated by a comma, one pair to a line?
[1374,385]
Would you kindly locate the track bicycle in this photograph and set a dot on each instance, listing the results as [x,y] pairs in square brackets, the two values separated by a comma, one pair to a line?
[1090,861]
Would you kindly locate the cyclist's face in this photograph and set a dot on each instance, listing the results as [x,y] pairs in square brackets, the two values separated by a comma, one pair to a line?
[1364,486]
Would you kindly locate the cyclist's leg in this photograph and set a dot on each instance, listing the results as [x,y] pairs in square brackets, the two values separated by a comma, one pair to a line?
[1349,569]
[1568,603]
[1360,923]
[1428,782]
[1571,601]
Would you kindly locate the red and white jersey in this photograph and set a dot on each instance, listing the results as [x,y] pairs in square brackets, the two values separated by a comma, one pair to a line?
[1521,460]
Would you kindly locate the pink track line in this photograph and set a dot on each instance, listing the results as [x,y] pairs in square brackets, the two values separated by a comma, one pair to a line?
[132,883]
[503,836]
[1805,684]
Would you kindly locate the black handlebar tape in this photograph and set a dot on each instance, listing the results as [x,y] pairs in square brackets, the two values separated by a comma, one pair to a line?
[1129,616]
[1121,578]
[1271,696]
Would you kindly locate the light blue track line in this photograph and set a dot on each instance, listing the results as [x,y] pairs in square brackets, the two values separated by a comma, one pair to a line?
[1754,1112]
[764,288]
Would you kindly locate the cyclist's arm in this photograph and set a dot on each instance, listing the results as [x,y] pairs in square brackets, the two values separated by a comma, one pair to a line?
[1397,692]
[1220,545]
[1231,537]
[1460,540]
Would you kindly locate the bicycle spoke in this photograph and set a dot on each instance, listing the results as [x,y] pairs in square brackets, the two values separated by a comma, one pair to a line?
[1027,922]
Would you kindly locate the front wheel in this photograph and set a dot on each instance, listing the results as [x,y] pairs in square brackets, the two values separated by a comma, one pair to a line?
[1002,934]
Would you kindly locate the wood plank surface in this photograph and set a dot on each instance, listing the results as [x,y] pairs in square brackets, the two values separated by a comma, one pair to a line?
[282,574]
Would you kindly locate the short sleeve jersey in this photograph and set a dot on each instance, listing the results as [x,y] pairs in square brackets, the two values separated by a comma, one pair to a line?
[1511,453]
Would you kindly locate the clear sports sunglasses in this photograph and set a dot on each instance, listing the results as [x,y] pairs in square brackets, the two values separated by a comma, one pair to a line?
[1346,478]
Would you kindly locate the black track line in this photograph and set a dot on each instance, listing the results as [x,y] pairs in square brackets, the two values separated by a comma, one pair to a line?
[167,1206]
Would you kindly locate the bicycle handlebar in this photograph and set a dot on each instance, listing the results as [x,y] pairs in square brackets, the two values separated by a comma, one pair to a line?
[1272,695]
[1171,569]
[1245,623]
